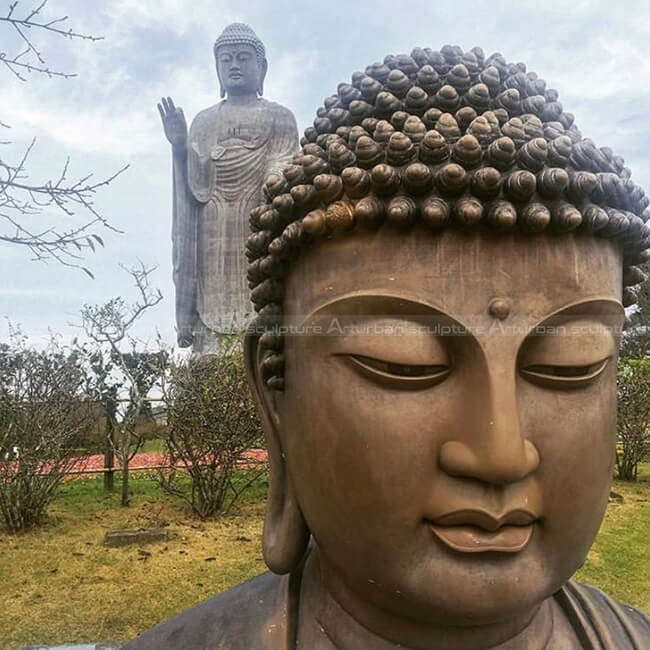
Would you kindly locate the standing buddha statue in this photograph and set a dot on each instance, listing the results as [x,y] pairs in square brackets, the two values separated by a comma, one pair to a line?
[218,170]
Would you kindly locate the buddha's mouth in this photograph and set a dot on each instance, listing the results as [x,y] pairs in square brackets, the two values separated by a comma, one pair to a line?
[476,531]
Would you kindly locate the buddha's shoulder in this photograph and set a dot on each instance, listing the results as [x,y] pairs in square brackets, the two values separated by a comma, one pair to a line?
[250,616]
[275,108]
[206,117]
[597,616]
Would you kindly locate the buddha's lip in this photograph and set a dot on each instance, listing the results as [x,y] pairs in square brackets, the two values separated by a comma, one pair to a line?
[474,539]
[484,519]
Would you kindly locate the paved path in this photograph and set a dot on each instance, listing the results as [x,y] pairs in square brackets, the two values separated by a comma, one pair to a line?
[147,461]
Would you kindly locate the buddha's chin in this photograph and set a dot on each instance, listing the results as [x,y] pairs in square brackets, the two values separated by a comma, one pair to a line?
[489,589]
[501,581]
[433,584]
[487,607]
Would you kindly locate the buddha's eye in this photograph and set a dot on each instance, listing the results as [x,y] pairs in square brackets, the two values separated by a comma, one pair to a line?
[564,376]
[405,376]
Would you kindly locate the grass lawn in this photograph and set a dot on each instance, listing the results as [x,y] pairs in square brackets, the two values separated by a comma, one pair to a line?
[59,584]
[619,561]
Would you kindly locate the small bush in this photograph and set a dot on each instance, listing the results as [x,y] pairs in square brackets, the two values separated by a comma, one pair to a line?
[212,425]
[633,416]
[43,409]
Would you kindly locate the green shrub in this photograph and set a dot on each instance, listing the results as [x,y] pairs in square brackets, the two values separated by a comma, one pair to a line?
[633,416]
[212,424]
[43,410]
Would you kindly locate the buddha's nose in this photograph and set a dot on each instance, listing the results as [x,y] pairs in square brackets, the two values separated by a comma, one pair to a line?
[492,447]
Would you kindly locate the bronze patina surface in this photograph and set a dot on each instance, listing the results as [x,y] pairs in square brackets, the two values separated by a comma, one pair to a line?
[440,278]
[219,169]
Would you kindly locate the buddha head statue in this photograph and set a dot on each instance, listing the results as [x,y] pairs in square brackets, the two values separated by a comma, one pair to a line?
[241,62]
[440,279]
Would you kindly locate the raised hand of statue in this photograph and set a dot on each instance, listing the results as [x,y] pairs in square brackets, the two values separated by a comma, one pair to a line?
[174,122]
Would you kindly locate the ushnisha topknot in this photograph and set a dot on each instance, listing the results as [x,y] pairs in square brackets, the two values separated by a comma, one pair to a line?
[237,33]
[447,139]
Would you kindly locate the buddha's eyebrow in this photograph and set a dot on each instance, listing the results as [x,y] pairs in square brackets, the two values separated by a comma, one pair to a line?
[601,309]
[375,305]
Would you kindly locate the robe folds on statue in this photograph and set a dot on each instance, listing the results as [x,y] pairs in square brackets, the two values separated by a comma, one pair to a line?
[214,191]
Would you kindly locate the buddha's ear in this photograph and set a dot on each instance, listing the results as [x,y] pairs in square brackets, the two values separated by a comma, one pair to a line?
[264,66]
[286,535]
[222,88]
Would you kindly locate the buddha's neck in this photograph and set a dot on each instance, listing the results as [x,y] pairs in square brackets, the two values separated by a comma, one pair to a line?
[241,100]
[326,623]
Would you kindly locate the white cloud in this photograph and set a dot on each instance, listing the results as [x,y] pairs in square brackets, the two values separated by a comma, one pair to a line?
[178,15]
[286,81]
[8,291]
[111,129]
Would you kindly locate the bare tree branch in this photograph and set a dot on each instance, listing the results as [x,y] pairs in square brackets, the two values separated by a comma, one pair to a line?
[109,323]
[31,20]
[19,199]
[23,201]
[108,326]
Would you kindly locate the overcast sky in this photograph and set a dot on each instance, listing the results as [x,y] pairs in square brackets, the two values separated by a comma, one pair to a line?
[592,52]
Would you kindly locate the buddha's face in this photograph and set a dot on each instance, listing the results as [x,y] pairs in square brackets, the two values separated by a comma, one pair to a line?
[238,69]
[449,431]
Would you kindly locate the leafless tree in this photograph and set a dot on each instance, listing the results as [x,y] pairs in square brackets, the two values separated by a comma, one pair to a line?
[213,431]
[43,407]
[108,327]
[633,417]
[24,201]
